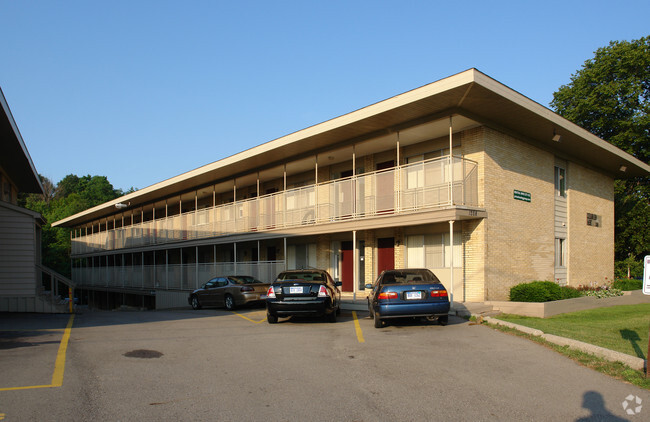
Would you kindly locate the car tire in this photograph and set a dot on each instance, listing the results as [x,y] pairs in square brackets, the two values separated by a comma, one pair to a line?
[443,320]
[331,317]
[272,319]
[378,322]
[196,305]
[229,302]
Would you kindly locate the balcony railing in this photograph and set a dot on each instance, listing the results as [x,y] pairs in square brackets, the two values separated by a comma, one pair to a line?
[400,190]
[171,276]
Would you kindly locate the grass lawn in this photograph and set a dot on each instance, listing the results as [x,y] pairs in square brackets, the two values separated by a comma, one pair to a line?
[621,328]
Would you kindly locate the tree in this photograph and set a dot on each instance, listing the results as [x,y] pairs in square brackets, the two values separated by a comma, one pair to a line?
[610,96]
[73,194]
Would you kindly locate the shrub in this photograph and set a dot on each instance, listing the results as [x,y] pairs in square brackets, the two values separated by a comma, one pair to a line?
[627,284]
[542,291]
[536,291]
[570,292]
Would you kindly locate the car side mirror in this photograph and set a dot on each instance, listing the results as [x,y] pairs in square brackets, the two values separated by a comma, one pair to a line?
[338,283]
[369,286]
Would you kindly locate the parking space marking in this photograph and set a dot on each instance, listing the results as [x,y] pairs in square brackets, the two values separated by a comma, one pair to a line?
[248,319]
[357,327]
[59,364]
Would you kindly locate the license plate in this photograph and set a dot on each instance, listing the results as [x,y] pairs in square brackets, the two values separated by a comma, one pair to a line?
[413,295]
[295,290]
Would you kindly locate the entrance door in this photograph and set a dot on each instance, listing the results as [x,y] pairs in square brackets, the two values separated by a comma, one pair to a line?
[385,254]
[347,267]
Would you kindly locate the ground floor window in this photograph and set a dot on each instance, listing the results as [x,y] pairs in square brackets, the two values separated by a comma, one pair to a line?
[560,252]
[433,251]
[301,256]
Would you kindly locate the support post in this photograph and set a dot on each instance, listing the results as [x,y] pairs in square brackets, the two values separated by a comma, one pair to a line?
[355,265]
[451,264]
[451,164]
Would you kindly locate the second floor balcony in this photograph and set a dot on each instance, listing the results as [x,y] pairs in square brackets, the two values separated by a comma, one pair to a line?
[417,187]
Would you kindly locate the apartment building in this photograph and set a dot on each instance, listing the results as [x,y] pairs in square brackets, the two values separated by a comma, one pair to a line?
[463,176]
[25,284]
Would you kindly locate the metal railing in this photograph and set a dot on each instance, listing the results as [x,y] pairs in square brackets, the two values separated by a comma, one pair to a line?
[400,190]
[53,285]
[172,276]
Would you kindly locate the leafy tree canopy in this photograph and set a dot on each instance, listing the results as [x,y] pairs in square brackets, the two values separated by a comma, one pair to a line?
[610,96]
[71,195]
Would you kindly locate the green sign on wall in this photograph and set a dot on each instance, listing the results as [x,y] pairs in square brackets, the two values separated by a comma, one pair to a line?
[522,196]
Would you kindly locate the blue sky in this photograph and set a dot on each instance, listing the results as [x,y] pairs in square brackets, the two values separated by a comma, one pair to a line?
[141,91]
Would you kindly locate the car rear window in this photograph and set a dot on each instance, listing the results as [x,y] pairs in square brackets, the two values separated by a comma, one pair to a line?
[307,276]
[409,277]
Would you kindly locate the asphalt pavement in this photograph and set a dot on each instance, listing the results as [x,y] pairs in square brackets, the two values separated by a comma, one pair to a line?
[218,365]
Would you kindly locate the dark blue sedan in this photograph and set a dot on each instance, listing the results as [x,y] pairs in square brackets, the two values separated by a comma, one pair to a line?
[408,293]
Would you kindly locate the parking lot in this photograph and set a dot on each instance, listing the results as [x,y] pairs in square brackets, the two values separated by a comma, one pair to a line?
[214,364]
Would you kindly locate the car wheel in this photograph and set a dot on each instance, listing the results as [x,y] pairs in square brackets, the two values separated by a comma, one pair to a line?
[272,319]
[195,303]
[378,323]
[443,320]
[229,301]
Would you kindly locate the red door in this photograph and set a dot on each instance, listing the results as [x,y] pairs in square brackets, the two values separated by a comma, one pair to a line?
[385,254]
[347,267]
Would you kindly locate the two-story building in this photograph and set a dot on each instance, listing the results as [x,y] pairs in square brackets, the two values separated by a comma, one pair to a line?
[463,176]
[25,284]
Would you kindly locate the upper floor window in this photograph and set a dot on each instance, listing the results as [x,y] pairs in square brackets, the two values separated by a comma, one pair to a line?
[560,181]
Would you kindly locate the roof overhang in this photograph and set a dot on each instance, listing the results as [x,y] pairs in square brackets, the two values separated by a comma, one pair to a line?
[14,157]
[470,94]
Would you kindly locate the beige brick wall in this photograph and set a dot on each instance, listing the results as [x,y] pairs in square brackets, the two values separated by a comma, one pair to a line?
[369,256]
[323,253]
[519,235]
[591,249]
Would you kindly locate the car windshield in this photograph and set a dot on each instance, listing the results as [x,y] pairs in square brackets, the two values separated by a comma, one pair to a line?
[302,275]
[244,279]
[409,277]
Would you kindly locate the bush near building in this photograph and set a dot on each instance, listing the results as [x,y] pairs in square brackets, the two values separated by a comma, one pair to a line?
[541,291]
[628,284]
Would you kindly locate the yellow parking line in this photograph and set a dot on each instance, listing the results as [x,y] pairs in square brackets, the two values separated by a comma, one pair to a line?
[248,319]
[357,328]
[59,364]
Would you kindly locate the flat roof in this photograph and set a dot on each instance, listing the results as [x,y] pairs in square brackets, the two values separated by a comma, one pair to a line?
[470,93]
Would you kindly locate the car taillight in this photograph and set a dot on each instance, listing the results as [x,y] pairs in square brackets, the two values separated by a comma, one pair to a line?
[247,289]
[271,293]
[439,293]
[322,292]
[387,295]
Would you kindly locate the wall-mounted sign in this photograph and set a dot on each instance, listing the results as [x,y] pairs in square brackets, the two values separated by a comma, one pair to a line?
[522,196]
[593,220]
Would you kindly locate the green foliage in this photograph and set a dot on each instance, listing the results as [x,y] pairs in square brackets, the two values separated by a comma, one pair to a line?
[610,96]
[628,284]
[536,291]
[73,194]
[634,265]
[542,291]
[570,292]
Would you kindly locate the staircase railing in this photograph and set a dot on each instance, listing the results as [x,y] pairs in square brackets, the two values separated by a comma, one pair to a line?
[52,282]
